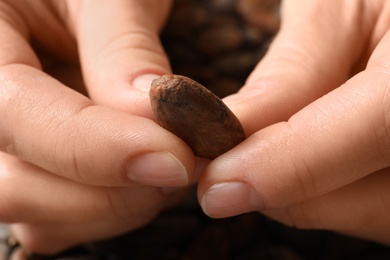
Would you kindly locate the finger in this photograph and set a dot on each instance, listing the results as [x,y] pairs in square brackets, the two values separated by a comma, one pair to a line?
[307,59]
[16,49]
[22,28]
[359,209]
[334,141]
[61,131]
[120,50]
[31,194]
[49,239]
[27,17]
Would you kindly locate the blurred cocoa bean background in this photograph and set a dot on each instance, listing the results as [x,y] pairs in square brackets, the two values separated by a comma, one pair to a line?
[218,43]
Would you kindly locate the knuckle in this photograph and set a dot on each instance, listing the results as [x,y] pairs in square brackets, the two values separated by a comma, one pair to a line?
[294,179]
[69,145]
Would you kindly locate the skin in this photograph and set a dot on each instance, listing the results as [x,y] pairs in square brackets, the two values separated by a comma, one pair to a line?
[318,156]
[78,167]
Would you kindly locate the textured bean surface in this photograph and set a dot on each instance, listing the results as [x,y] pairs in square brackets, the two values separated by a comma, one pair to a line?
[196,115]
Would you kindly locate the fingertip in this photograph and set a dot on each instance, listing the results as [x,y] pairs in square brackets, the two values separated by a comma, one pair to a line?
[227,199]
[121,52]
[161,169]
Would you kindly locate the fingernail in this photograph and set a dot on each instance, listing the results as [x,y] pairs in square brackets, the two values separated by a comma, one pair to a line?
[229,198]
[143,82]
[160,169]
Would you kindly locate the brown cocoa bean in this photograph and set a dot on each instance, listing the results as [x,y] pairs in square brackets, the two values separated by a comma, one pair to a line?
[193,113]
[261,13]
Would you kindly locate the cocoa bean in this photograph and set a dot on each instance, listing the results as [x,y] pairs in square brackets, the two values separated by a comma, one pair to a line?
[193,113]
[261,13]
[223,36]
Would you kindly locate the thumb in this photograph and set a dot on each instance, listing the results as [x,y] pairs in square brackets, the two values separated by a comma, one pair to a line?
[120,50]
[307,59]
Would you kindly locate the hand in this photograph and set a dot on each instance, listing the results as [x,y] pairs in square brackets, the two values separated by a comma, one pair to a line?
[317,109]
[75,169]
